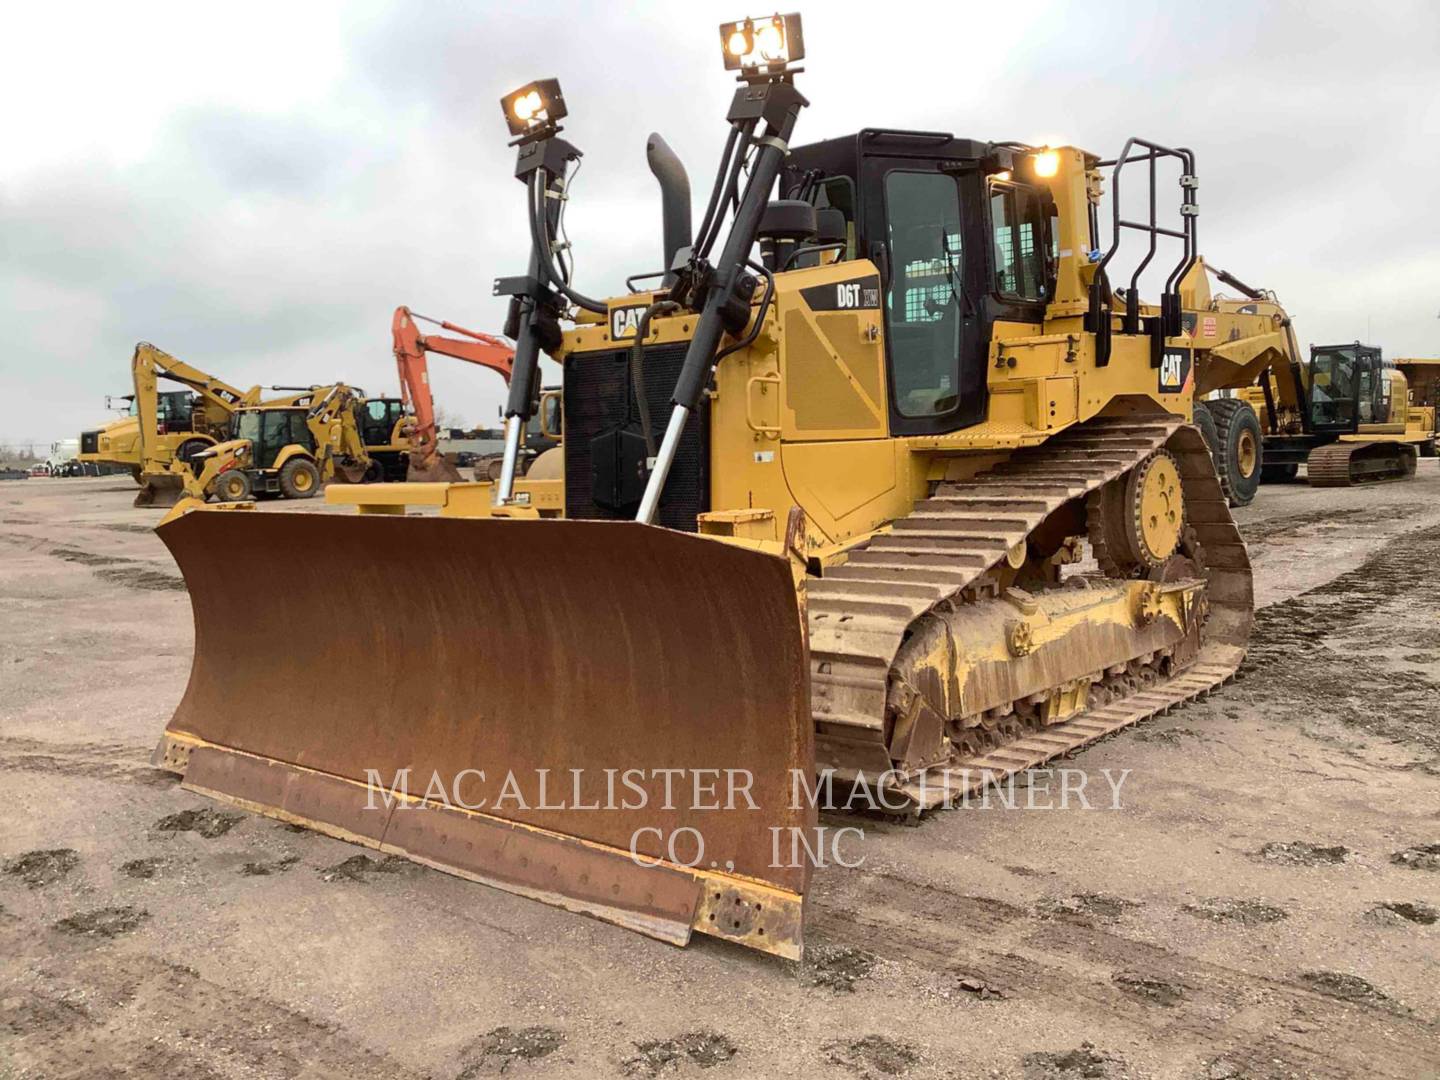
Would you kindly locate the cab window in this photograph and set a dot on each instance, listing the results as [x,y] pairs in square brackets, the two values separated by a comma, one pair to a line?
[1017,223]
[923,294]
[1332,387]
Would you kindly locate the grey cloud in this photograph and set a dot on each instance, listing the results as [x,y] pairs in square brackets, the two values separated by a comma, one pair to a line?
[273,247]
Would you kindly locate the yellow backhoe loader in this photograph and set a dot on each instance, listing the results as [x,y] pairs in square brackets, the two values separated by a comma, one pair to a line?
[176,422]
[290,449]
[828,490]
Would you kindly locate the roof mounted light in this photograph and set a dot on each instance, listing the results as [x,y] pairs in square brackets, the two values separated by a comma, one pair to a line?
[535,109]
[1047,163]
[765,46]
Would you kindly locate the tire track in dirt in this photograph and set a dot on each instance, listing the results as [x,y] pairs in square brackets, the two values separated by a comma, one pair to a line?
[95,761]
[119,570]
[142,1015]
[1069,963]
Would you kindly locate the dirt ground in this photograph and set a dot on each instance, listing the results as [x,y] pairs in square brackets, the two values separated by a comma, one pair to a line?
[1263,904]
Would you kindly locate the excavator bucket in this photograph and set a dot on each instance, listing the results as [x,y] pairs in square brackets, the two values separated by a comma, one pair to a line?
[609,717]
[438,469]
[159,489]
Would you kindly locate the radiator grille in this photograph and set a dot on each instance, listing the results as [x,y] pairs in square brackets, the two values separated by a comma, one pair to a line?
[599,398]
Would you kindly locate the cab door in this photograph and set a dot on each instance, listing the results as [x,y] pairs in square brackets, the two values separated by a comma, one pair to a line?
[1334,390]
[932,308]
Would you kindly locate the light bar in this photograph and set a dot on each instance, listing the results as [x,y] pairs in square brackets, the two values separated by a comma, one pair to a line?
[764,46]
[534,107]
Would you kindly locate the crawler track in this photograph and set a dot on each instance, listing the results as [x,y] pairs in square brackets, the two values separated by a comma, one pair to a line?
[859,614]
[1343,464]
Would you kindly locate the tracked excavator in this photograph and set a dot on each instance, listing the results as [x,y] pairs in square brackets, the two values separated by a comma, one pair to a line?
[427,464]
[925,508]
[1343,412]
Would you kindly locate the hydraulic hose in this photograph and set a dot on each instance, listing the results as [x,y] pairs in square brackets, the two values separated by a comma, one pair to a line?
[541,239]
[708,220]
[732,183]
[637,367]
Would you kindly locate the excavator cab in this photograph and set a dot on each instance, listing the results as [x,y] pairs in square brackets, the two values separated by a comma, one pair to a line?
[1348,388]
[382,424]
[377,418]
[1344,382]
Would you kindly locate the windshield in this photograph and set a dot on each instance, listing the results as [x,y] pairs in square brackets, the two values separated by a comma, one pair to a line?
[247,425]
[1332,385]
[923,212]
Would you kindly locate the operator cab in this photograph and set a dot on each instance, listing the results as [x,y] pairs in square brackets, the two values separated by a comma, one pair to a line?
[376,418]
[1349,388]
[269,431]
[961,244]
[174,410]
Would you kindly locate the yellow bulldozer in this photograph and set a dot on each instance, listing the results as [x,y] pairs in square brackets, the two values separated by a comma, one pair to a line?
[882,492]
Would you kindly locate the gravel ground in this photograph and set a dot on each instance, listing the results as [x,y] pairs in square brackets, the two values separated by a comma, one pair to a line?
[1263,904]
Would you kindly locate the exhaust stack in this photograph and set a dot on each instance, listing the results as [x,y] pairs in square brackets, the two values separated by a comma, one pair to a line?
[674,199]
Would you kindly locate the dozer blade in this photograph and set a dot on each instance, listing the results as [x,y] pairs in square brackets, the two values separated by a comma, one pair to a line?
[439,469]
[524,703]
[159,489]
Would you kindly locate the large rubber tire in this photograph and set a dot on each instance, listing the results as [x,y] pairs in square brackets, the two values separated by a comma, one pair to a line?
[1278,474]
[1241,448]
[1206,423]
[299,479]
[232,486]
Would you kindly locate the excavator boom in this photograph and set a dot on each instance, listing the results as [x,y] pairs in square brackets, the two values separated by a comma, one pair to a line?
[411,347]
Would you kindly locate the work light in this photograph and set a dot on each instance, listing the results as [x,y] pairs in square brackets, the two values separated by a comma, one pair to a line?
[1047,163]
[762,45]
[535,107]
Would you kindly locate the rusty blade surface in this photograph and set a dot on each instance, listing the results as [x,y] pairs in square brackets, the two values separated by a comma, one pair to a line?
[601,685]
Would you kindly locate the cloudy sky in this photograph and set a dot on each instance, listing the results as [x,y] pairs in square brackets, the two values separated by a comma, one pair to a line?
[255,187]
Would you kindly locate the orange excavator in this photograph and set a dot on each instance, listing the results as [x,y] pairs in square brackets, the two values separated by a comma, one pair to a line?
[411,347]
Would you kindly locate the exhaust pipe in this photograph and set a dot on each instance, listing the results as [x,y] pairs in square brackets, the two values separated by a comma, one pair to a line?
[674,199]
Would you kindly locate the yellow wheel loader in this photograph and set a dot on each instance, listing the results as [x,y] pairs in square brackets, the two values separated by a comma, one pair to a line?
[830,486]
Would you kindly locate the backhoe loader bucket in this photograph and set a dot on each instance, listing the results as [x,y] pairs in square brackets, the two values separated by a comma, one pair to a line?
[609,717]
[159,489]
[439,469]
